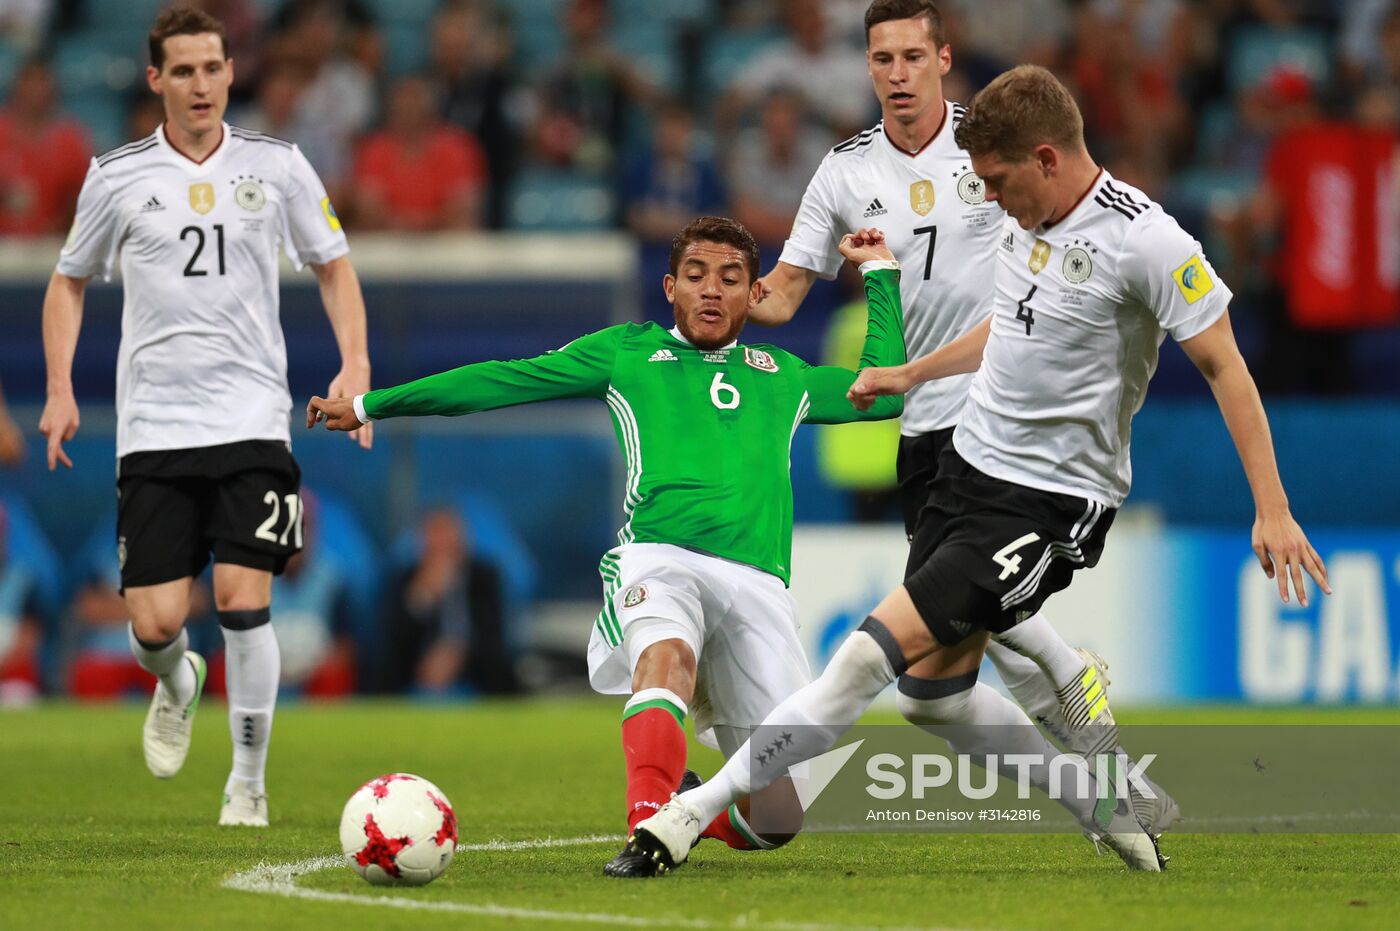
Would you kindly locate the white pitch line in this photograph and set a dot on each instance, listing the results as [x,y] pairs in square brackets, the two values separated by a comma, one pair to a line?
[280,879]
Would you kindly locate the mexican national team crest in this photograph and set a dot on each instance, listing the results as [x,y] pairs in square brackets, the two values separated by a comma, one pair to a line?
[1077,266]
[921,197]
[202,197]
[971,190]
[760,360]
[634,596]
[1040,256]
[249,195]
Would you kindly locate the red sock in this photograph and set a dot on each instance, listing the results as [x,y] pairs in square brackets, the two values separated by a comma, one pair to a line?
[653,743]
[722,828]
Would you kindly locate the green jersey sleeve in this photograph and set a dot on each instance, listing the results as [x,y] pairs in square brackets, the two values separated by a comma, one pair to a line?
[581,369]
[884,346]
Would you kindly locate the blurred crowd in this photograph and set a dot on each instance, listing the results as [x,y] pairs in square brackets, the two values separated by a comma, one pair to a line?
[640,114]
[436,616]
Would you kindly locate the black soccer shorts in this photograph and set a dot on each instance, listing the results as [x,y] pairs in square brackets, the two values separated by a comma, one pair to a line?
[990,551]
[916,466]
[239,502]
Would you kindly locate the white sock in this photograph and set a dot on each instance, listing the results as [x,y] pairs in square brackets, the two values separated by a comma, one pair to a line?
[253,665]
[166,661]
[821,712]
[1035,638]
[979,721]
[1026,681]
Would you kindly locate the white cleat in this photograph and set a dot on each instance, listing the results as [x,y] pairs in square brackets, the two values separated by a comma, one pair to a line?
[165,739]
[243,807]
[1120,831]
[668,835]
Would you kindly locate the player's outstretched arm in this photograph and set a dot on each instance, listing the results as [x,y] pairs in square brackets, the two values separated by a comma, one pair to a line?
[345,306]
[63,318]
[783,289]
[828,386]
[959,357]
[581,369]
[1283,549]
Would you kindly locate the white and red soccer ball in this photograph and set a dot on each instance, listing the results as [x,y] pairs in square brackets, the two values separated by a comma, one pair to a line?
[398,829]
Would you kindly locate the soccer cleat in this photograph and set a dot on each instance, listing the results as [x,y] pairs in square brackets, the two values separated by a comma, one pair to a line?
[1156,814]
[243,807]
[165,739]
[634,863]
[1118,829]
[668,836]
[690,779]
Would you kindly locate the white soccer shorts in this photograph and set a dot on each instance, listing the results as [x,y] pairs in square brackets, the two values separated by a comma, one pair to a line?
[740,622]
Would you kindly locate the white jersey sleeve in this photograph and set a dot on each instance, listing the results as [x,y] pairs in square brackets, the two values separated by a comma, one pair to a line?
[313,234]
[91,248]
[1166,269]
[812,244]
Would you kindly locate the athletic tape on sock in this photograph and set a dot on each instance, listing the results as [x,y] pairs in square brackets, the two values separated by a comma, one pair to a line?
[888,644]
[244,620]
[930,689]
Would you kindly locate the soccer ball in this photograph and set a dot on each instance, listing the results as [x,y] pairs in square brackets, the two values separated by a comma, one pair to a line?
[398,830]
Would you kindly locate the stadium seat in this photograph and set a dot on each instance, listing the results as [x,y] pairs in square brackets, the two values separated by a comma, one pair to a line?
[652,46]
[558,200]
[404,12]
[728,54]
[672,12]
[406,47]
[10,58]
[103,114]
[127,15]
[97,61]
[1258,50]
[27,545]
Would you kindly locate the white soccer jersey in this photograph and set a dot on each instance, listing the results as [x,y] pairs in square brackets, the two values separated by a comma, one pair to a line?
[1080,311]
[932,209]
[202,359]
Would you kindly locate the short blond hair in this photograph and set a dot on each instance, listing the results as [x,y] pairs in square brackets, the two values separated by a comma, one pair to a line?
[1023,108]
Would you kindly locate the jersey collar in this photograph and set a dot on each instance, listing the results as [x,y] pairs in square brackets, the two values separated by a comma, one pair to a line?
[190,165]
[676,332]
[947,111]
[1100,179]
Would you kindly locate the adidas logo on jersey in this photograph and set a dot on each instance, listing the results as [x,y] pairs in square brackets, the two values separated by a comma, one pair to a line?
[876,209]
[1008,243]
[663,355]
[153,205]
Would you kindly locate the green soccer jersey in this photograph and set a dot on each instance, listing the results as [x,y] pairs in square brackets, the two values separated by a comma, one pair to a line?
[707,434]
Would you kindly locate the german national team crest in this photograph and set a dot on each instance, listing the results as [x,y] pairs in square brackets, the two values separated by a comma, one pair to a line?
[760,360]
[1040,256]
[634,596]
[921,197]
[202,197]
[971,190]
[1077,266]
[249,195]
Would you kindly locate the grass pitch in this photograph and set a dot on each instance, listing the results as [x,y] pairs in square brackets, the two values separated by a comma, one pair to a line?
[89,840]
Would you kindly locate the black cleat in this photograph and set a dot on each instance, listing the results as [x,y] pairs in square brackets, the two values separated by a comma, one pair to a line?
[644,857]
[690,779]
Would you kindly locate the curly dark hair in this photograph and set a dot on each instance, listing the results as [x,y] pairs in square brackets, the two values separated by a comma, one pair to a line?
[716,229]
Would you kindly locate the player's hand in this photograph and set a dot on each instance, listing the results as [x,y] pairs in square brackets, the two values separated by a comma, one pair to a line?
[335,413]
[875,381]
[865,245]
[59,422]
[765,290]
[349,383]
[1284,553]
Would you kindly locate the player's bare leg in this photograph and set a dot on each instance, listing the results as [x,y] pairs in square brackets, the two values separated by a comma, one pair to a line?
[870,659]
[242,596]
[653,741]
[159,643]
